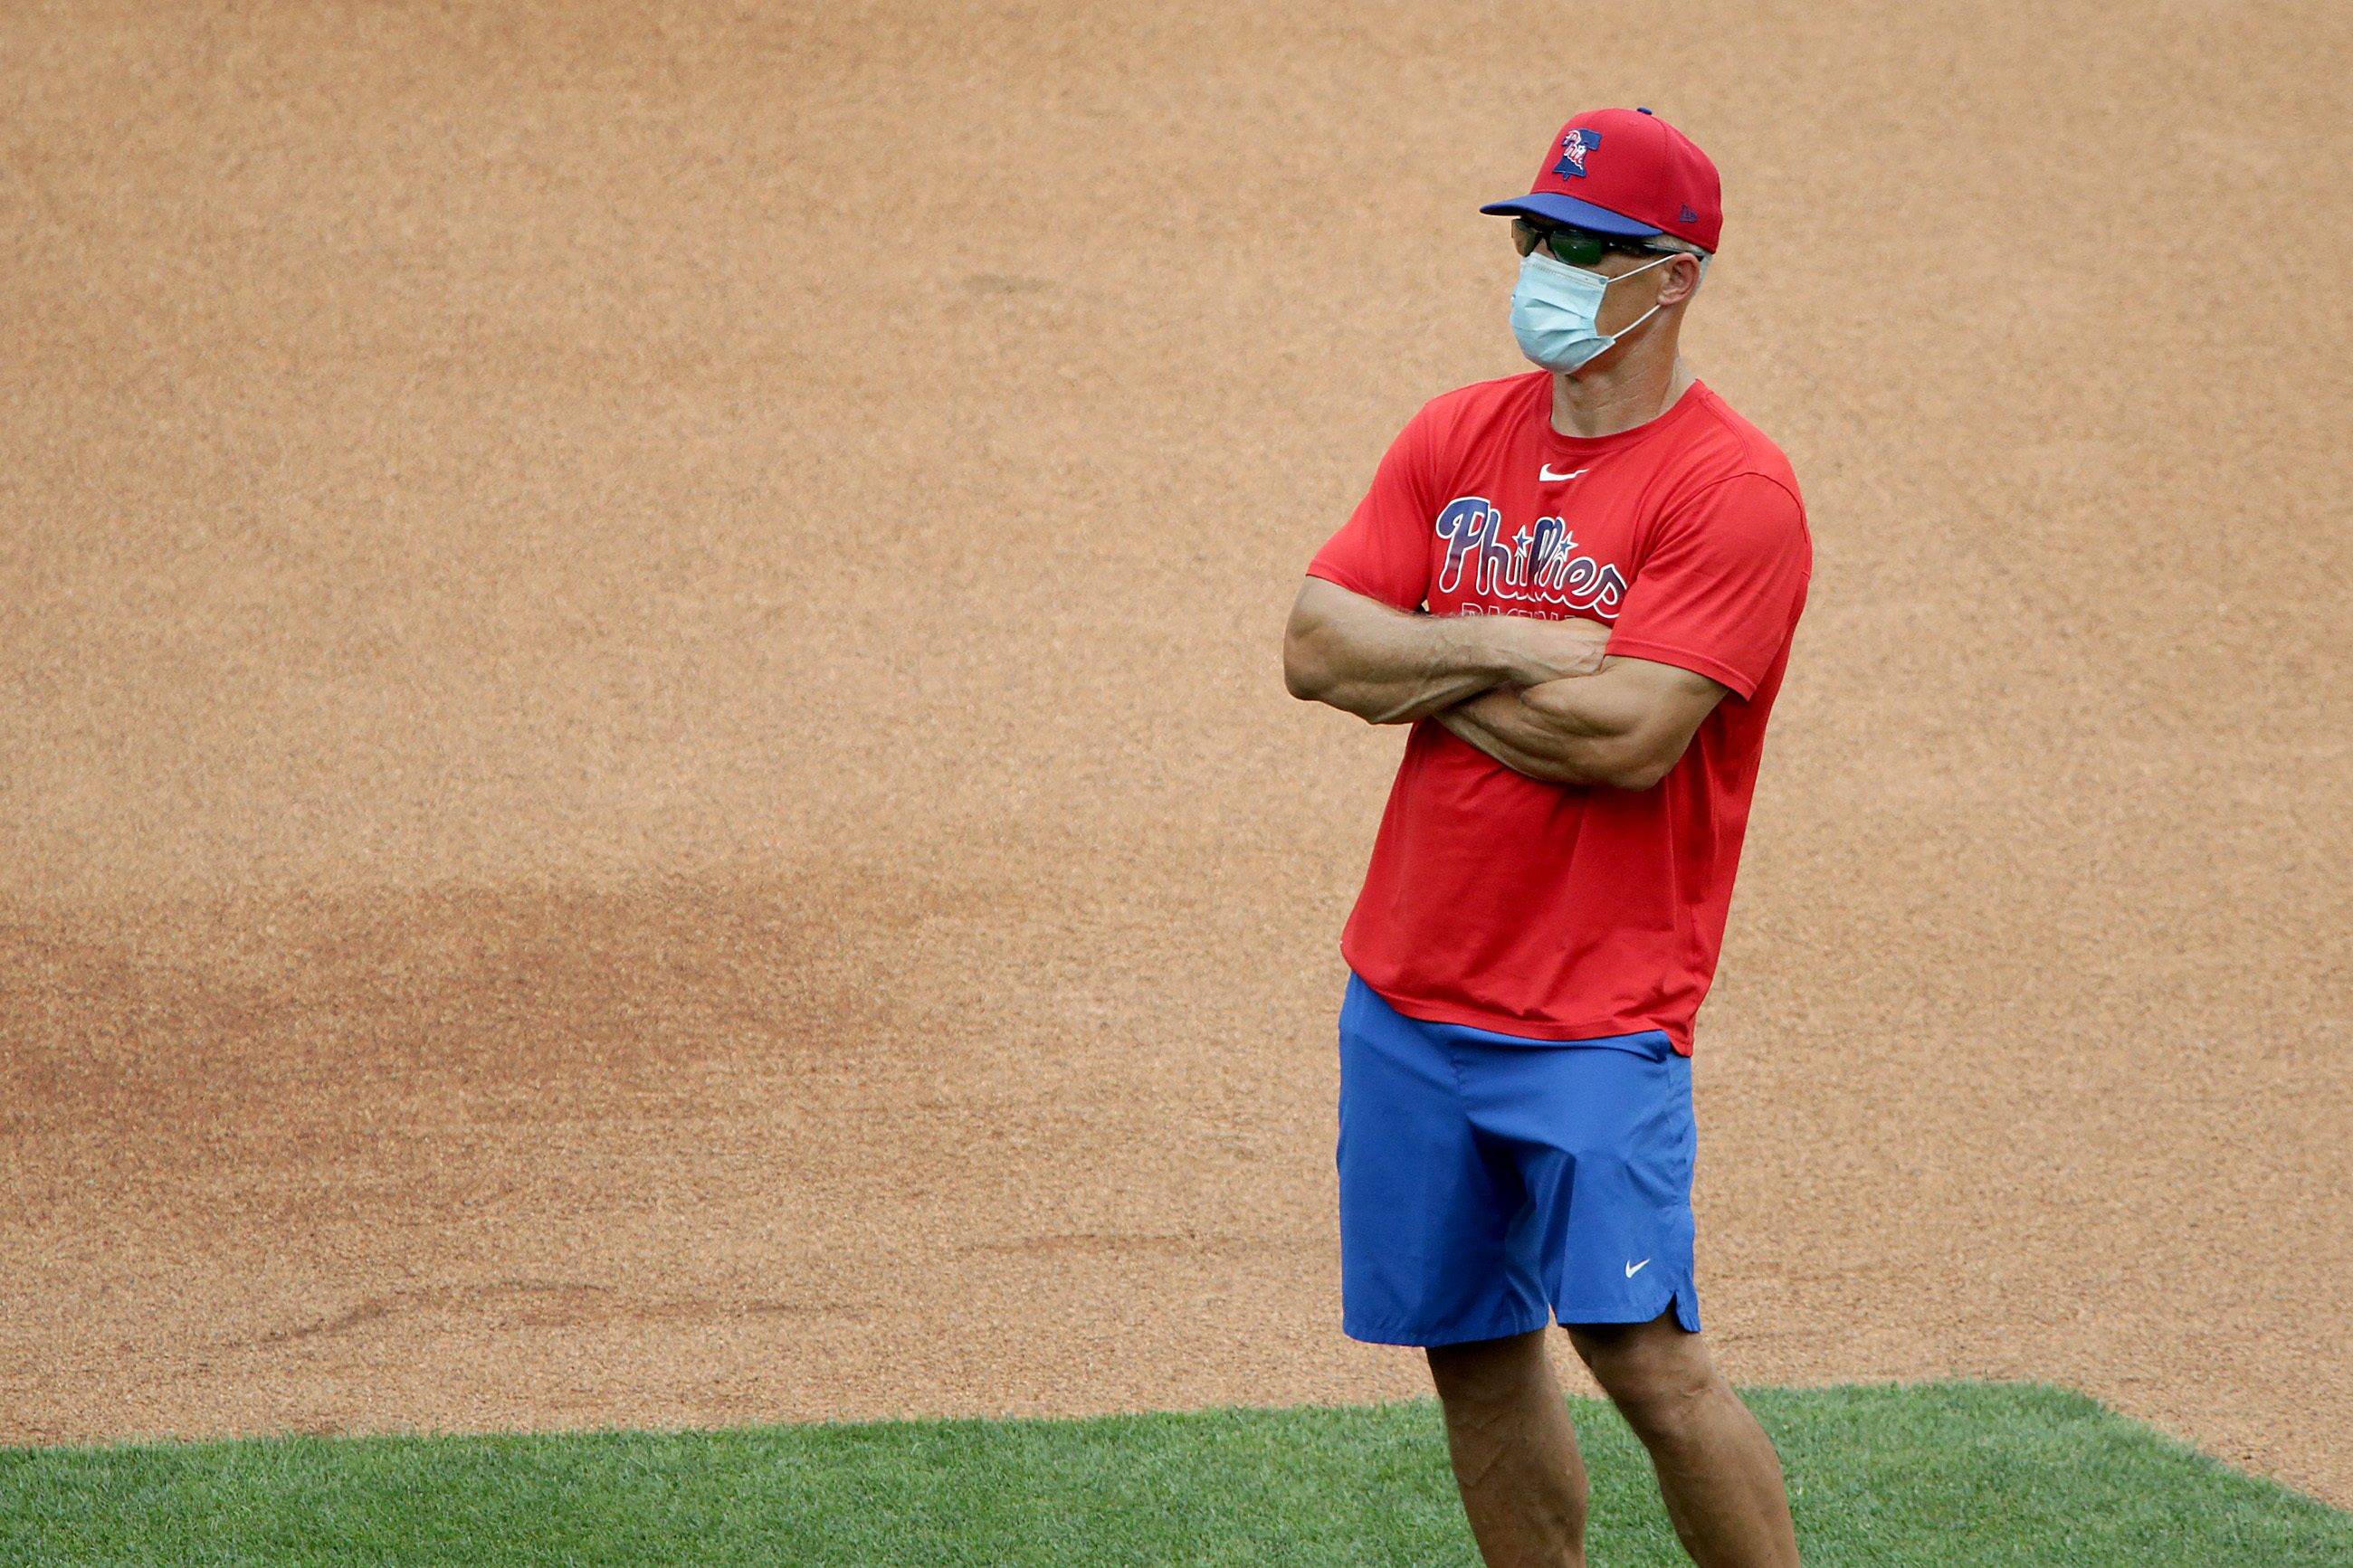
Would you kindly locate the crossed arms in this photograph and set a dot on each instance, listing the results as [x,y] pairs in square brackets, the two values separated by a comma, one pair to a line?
[1542,698]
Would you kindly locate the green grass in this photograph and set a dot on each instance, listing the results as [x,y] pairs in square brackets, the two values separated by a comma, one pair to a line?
[1957,1474]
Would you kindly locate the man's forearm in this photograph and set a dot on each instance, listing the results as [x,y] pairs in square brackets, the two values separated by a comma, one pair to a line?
[1407,670]
[1391,666]
[1500,725]
[1624,727]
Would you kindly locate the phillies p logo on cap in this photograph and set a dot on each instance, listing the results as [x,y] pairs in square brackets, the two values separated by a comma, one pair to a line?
[1573,143]
[1625,171]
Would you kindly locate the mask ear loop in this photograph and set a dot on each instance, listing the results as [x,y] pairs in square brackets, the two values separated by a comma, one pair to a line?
[1620,335]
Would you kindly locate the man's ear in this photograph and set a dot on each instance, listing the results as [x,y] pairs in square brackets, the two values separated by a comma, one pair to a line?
[1682,278]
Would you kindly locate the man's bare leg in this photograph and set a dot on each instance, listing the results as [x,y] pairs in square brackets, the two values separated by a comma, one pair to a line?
[1717,1470]
[1514,1452]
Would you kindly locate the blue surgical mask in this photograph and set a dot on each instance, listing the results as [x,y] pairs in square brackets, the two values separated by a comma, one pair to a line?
[1556,307]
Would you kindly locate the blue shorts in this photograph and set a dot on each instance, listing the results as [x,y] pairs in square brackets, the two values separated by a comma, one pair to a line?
[1491,1183]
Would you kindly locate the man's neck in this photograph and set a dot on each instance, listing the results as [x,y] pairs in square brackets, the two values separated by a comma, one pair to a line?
[1634,390]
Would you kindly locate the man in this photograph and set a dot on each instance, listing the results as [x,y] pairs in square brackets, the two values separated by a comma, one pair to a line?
[1579,585]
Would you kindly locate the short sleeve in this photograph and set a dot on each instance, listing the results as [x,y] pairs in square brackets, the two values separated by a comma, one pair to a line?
[1721,590]
[1383,551]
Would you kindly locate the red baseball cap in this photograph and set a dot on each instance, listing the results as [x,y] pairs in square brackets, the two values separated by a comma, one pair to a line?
[1625,171]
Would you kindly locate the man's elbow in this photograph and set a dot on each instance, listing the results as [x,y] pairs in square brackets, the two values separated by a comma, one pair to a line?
[1307,669]
[1636,767]
[1637,779]
[1304,676]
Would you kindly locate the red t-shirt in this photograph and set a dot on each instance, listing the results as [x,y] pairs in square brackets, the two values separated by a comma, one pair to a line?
[1572,911]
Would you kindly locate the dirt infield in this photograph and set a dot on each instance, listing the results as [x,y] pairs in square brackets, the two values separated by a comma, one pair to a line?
[647,782]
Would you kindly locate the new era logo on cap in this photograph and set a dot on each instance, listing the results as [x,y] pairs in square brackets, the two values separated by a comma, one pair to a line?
[1625,171]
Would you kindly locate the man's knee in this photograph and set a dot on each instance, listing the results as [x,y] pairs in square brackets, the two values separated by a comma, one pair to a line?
[1654,1372]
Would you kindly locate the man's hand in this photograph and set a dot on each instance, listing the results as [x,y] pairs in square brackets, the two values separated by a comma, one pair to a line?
[1387,667]
[1625,726]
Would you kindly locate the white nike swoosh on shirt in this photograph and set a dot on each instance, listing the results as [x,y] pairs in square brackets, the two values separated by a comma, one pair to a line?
[1634,1268]
[1547,475]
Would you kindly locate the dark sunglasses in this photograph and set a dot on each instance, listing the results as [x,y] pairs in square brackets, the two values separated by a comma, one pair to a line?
[1578,246]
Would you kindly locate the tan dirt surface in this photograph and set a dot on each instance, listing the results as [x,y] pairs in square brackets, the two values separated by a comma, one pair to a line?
[646,782]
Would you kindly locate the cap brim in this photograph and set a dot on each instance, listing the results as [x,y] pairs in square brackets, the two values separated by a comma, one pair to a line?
[1568,210]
